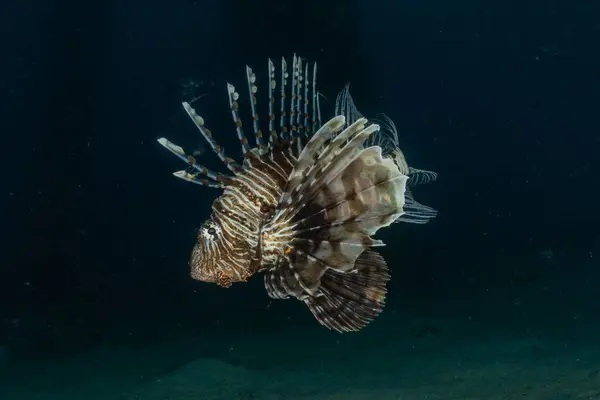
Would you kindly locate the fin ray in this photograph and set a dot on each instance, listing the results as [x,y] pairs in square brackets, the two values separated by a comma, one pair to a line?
[349,301]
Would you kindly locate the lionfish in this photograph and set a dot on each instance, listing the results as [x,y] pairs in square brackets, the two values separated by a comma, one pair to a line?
[305,202]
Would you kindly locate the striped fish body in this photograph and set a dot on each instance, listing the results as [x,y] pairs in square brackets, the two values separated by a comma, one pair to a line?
[305,204]
[229,248]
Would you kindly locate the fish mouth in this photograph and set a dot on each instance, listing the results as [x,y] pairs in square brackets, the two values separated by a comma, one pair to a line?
[202,276]
[223,280]
[223,277]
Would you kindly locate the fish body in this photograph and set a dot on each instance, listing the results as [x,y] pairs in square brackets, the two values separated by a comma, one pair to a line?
[229,244]
[304,205]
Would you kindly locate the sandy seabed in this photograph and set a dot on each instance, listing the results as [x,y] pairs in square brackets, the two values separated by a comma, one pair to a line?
[452,361]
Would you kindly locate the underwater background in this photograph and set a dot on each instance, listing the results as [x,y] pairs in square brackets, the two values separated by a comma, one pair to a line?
[496,298]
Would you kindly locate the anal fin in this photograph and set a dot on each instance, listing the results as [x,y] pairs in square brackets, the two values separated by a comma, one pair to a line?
[348,301]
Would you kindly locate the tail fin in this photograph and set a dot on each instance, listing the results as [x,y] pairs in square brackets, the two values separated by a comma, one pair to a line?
[387,138]
[349,301]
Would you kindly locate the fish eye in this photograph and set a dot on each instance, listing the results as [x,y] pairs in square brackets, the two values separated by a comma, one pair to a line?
[210,230]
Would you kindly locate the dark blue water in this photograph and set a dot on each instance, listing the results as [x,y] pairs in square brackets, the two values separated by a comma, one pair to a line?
[497,298]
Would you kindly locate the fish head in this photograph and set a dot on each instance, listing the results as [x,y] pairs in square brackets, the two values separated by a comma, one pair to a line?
[218,257]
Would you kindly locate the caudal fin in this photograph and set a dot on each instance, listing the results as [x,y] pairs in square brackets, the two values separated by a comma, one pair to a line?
[349,301]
